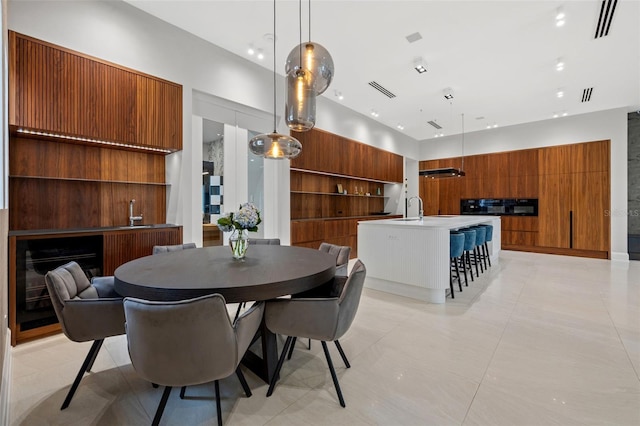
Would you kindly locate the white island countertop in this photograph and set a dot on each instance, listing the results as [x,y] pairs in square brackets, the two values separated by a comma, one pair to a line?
[410,256]
[443,221]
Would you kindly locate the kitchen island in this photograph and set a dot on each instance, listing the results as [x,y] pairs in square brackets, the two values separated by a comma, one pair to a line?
[410,256]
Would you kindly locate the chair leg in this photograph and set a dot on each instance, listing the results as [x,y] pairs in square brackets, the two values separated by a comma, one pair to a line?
[240,305]
[469,263]
[458,275]
[464,269]
[163,403]
[293,343]
[485,250]
[475,260]
[451,284]
[344,357]
[155,385]
[243,382]
[88,362]
[276,373]
[218,407]
[182,391]
[309,344]
[333,373]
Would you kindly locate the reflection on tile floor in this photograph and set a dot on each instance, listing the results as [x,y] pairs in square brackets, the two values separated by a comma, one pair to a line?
[538,340]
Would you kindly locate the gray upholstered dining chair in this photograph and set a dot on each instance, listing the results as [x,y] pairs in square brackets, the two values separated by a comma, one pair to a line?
[324,319]
[86,311]
[188,342]
[330,289]
[264,241]
[341,253]
[177,247]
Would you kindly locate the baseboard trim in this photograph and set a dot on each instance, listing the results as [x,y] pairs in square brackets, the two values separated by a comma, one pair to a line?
[619,257]
[5,386]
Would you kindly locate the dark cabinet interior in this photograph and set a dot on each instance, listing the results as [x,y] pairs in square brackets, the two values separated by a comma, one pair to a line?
[34,258]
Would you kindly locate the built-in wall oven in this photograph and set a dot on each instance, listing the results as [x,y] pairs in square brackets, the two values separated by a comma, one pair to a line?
[500,206]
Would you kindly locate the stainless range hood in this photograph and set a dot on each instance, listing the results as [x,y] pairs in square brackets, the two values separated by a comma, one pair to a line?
[446,172]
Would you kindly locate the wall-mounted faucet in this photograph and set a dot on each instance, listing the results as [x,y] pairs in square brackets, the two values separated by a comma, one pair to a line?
[420,207]
[133,218]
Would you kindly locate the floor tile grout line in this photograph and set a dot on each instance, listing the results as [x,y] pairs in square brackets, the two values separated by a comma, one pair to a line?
[624,347]
[506,324]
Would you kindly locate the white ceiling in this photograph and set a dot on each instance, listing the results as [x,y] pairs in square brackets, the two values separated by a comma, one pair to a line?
[499,57]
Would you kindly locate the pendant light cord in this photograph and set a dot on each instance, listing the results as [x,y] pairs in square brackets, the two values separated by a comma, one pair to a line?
[309,21]
[462,166]
[300,32]
[275,123]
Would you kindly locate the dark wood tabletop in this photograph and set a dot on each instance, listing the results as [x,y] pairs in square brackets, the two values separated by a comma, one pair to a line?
[265,273]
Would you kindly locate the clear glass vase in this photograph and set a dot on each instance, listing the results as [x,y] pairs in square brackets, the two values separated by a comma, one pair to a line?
[239,242]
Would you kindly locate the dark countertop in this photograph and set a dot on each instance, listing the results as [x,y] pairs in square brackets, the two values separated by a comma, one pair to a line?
[87,230]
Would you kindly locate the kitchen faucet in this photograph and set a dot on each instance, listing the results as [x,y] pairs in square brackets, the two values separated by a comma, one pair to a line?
[420,207]
[133,218]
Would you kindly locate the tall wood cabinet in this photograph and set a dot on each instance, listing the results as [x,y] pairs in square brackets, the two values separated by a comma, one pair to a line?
[318,211]
[571,183]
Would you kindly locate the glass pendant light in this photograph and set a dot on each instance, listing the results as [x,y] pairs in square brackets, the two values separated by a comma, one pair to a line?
[312,57]
[275,145]
[300,109]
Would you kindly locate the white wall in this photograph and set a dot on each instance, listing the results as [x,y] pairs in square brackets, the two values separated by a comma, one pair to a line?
[611,124]
[122,34]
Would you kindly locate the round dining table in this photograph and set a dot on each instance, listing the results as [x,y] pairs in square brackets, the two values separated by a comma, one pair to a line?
[267,272]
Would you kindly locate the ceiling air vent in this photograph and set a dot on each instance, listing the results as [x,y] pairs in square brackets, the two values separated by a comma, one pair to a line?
[381,89]
[606,16]
[434,124]
[586,94]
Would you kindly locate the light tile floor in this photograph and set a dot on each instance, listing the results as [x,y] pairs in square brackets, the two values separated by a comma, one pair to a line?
[538,340]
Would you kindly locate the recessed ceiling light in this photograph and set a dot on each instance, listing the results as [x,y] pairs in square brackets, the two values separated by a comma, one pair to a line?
[560,17]
[338,95]
[564,114]
[448,93]
[495,125]
[488,126]
[400,127]
[374,113]
[260,54]
[251,51]
[555,115]
[559,64]
[560,93]
[419,65]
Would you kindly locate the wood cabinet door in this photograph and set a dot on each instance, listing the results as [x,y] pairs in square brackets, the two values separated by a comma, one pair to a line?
[123,246]
[449,195]
[591,211]
[554,206]
[429,192]
[158,113]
